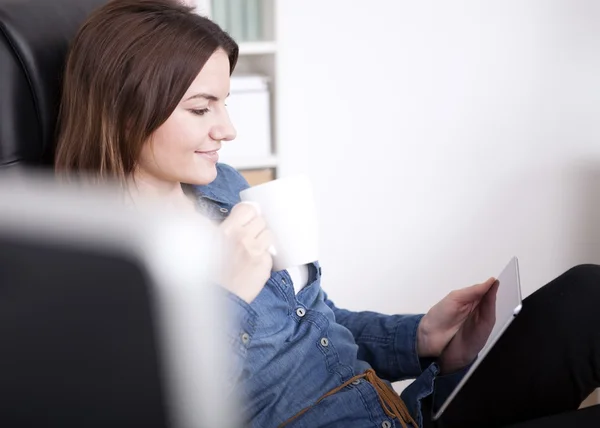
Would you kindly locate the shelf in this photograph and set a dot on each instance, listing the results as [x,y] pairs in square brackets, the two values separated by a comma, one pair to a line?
[257,48]
[254,177]
[251,163]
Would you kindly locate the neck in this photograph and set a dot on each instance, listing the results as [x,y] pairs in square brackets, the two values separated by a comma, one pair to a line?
[142,186]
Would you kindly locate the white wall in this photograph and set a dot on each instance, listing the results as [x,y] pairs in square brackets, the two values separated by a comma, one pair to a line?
[444,137]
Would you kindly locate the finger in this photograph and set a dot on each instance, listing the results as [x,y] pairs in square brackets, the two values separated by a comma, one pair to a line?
[488,302]
[475,292]
[254,227]
[478,291]
[264,241]
[240,215]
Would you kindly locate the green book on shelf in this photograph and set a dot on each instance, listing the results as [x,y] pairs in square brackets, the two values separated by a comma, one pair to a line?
[253,20]
[236,19]
[219,13]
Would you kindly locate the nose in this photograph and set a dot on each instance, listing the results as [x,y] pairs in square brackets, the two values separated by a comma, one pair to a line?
[223,130]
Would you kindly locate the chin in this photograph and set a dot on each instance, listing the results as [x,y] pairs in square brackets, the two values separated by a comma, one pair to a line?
[207,176]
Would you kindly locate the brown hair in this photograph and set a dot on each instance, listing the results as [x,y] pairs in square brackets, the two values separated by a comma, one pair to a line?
[128,68]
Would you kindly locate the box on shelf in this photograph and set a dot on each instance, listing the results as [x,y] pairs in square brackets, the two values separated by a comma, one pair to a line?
[250,112]
[255,177]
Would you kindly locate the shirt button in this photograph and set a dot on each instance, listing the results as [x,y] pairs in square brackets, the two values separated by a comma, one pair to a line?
[356,382]
[324,341]
[224,210]
[300,312]
[245,338]
[386,424]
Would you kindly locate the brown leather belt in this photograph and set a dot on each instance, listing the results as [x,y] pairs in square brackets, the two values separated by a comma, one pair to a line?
[391,402]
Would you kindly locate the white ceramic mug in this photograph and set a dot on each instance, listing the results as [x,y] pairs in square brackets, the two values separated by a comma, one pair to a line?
[288,207]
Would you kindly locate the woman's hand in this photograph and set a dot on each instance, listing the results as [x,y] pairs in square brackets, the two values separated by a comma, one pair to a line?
[457,327]
[248,262]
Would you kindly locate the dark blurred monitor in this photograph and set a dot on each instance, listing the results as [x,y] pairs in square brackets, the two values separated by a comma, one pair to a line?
[107,316]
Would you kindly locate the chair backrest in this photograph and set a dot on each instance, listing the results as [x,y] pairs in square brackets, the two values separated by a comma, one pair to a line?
[34,40]
[108,315]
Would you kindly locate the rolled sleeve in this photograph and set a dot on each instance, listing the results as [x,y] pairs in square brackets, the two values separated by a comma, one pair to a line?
[408,362]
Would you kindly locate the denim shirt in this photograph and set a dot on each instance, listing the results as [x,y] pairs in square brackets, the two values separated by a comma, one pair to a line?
[290,349]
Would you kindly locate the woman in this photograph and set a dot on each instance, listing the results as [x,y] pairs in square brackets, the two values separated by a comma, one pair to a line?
[144,104]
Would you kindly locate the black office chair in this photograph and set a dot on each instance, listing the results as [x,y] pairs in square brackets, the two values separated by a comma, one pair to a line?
[34,39]
[60,365]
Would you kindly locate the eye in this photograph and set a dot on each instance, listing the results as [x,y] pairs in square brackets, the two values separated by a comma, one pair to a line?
[200,112]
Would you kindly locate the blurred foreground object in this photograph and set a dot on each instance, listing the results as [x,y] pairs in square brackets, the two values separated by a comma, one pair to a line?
[107,314]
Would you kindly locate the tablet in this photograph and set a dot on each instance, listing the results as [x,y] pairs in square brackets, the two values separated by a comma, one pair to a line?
[508,306]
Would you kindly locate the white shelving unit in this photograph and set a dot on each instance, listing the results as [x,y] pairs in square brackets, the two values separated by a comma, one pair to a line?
[251,163]
[256,57]
[258,48]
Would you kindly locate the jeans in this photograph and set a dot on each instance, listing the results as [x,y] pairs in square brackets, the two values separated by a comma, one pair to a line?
[543,367]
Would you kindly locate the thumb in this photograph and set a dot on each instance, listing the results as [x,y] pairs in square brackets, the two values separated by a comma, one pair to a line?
[475,292]
[488,302]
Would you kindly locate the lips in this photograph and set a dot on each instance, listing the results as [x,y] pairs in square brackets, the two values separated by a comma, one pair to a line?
[211,155]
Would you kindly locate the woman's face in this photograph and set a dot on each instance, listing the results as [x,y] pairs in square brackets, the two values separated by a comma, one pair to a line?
[185,148]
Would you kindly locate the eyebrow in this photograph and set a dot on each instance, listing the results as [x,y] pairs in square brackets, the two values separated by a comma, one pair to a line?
[209,97]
